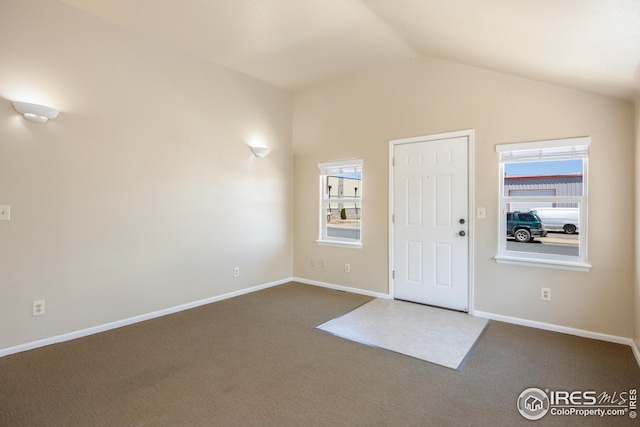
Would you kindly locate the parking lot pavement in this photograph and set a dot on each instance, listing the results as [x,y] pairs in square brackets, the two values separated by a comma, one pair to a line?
[553,243]
[560,239]
[571,250]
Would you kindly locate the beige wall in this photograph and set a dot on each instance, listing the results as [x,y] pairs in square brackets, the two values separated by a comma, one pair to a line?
[143,193]
[357,115]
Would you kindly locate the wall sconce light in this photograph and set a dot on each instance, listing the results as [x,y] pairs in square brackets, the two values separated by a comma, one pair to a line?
[261,151]
[34,112]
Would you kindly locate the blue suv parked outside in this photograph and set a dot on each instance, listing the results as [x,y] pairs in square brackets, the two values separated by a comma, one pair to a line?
[523,226]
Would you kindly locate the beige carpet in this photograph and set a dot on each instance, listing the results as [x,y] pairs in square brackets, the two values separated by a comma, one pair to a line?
[436,335]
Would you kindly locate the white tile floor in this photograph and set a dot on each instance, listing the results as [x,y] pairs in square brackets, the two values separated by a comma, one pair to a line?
[432,334]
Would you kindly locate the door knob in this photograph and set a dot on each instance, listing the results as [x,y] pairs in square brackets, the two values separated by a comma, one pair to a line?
[462,233]
[461,220]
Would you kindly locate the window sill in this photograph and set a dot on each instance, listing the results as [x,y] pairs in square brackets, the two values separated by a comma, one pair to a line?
[544,263]
[337,243]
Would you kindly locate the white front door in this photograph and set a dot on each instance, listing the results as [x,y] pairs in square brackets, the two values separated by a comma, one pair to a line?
[430,228]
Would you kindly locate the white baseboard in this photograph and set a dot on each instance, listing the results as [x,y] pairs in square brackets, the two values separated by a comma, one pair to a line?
[562,329]
[135,319]
[141,318]
[342,288]
[636,352]
[507,319]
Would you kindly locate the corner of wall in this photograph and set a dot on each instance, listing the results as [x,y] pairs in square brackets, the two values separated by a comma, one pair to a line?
[636,335]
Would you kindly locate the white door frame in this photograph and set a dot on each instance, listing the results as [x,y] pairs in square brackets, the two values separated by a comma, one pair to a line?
[469,133]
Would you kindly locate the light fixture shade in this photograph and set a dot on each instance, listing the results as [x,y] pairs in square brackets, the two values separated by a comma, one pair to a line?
[261,151]
[34,112]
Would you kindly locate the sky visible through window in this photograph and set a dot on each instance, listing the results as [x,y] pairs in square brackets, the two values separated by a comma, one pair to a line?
[555,167]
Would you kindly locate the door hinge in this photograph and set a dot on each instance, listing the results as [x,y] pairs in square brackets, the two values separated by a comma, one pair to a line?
[393,161]
[393,218]
[393,274]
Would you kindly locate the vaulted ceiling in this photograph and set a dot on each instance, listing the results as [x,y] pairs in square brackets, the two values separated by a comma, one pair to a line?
[592,45]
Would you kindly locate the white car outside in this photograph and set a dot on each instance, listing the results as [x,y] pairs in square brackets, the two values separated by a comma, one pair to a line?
[560,219]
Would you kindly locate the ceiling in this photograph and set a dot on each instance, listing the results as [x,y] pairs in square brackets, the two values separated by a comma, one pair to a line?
[592,45]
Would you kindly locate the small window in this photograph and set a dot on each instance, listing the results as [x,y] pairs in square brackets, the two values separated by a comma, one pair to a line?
[341,203]
[543,203]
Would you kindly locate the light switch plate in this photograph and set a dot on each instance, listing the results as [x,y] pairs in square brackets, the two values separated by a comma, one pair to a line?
[481,213]
[5,212]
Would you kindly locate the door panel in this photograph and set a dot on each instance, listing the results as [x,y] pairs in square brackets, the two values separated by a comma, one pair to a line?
[414,261]
[414,193]
[431,199]
[442,201]
[443,264]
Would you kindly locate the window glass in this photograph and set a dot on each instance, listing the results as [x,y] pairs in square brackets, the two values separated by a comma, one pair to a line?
[341,202]
[543,202]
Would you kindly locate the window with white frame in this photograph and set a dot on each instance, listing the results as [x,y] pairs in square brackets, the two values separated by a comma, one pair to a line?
[341,203]
[543,203]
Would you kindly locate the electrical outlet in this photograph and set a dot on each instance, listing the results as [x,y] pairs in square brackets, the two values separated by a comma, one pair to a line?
[347,268]
[313,262]
[5,213]
[323,263]
[236,272]
[38,308]
[545,294]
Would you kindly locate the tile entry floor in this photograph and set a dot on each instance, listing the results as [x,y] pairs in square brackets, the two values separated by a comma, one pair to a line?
[436,335]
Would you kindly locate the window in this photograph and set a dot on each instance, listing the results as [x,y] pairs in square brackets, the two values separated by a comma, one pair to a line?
[543,203]
[341,203]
